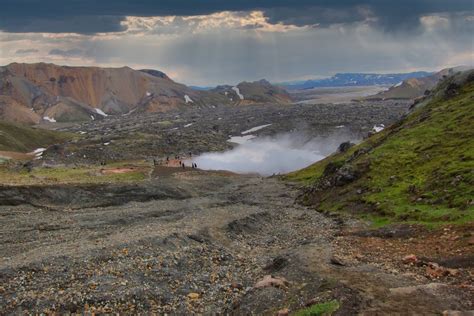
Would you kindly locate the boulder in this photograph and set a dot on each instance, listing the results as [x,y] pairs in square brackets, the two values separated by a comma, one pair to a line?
[343,147]
[269,281]
[410,259]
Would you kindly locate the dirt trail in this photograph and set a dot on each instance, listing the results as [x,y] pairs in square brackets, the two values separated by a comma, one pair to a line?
[202,251]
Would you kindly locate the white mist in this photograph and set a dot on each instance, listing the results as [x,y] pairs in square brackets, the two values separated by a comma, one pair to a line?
[267,156]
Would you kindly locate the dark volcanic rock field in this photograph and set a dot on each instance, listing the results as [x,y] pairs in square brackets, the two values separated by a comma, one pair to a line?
[203,130]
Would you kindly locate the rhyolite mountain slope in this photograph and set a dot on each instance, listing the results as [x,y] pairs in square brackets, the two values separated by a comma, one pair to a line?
[415,87]
[418,170]
[13,111]
[31,93]
[61,93]
[257,92]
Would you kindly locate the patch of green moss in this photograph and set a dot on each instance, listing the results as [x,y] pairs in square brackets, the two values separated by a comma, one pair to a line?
[165,123]
[129,164]
[327,308]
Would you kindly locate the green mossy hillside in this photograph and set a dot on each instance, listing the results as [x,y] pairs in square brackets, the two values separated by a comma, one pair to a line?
[420,170]
[20,138]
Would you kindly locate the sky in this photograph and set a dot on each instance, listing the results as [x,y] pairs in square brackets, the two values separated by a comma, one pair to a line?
[210,42]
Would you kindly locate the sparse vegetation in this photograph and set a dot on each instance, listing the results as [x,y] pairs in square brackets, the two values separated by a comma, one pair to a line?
[327,308]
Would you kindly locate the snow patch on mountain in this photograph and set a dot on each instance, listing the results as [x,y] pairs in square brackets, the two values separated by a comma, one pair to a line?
[99,111]
[187,99]
[49,119]
[237,91]
[257,128]
[378,128]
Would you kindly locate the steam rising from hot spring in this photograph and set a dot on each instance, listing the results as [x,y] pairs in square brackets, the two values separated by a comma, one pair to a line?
[271,155]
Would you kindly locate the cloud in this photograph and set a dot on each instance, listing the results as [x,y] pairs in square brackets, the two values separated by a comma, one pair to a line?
[26,51]
[66,53]
[61,24]
[214,54]
[226,20]
[90,16]
[389,16]
[318,15]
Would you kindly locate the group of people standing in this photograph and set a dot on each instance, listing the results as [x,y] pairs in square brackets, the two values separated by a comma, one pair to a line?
[193,165]
[176,157]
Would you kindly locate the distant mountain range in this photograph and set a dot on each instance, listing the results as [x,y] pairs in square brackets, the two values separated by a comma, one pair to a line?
[353,79]
[413,88]
[34,93]
[198,88]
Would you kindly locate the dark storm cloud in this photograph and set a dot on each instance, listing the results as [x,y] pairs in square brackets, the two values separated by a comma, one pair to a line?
[91,16]
[389,15]
[66,53]
[26,51]
[60,24]
[404,15]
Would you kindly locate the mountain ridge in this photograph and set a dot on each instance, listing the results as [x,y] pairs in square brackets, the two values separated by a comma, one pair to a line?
[413,88]
[32,93]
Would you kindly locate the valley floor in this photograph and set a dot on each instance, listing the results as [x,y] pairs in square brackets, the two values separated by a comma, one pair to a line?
[199,242]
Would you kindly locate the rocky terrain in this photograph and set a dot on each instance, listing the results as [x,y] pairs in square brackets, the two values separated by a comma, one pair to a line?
[209,245]
[198,131]
[335,95]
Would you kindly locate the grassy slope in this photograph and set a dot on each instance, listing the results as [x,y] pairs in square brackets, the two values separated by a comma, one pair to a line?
[74,175]
[420,170]
[15,137]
